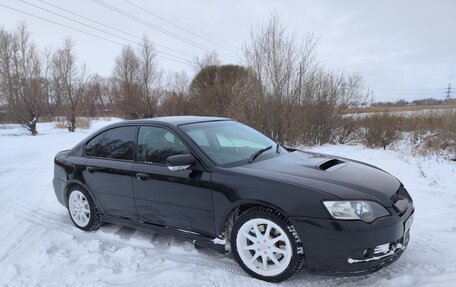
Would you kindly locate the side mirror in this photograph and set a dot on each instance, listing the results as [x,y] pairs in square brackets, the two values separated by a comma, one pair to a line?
[179,162]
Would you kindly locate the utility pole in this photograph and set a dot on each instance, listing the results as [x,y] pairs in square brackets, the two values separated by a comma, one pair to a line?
[448,92]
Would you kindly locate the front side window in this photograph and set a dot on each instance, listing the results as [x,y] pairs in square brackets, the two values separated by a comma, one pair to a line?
[116,143]
[156,144]
[228,143]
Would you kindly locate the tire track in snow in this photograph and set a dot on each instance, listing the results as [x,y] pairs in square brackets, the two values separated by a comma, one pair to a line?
[60,223]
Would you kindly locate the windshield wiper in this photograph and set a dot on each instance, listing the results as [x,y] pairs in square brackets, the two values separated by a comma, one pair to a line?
[258,152]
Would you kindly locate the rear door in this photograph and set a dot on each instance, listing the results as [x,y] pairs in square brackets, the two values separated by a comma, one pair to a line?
[180,199]
[108,171]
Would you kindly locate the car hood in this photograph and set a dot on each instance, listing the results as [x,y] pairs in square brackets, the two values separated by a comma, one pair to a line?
[340,177]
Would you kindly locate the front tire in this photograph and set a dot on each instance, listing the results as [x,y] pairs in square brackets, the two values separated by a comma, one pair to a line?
[83,210]
[266,245]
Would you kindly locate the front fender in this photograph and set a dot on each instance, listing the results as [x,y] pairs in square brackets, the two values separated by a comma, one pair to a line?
[231,190]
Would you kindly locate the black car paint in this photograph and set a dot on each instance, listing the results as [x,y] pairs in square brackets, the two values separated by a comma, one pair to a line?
[180,199]
[196,203]
[111,179]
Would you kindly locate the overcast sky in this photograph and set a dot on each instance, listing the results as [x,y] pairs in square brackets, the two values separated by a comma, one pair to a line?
[403,49]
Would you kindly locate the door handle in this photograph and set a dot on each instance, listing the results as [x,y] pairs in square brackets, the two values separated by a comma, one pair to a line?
[142,176]
[91,169]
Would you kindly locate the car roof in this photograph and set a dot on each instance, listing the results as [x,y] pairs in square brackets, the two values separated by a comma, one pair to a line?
[175,120]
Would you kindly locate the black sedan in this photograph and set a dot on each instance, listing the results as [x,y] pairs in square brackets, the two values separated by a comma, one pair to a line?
[226,186]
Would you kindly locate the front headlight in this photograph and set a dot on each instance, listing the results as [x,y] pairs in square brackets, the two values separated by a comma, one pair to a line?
[366,211]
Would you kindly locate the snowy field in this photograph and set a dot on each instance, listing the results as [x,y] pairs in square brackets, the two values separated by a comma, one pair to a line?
[39,246]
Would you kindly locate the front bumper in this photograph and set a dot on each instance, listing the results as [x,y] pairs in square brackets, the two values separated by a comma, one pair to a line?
[353,247]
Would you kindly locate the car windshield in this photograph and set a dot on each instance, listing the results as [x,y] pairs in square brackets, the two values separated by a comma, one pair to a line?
[230,143]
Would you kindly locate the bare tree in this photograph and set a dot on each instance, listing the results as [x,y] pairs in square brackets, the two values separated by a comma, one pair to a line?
[208,59]
[295,99]
[69,79]
[93,101]
[354,96]
[48,87]
[22,82]
[175,101]
[282,65]
[128,92]
[149,76]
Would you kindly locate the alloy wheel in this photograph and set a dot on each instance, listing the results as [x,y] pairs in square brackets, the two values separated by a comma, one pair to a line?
[264,247]
[79,208]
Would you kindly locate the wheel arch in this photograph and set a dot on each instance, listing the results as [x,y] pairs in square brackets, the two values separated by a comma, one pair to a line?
[72,183]
[255,207]
[225,224]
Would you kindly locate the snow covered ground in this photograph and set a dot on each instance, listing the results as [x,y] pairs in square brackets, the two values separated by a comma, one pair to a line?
[40,247]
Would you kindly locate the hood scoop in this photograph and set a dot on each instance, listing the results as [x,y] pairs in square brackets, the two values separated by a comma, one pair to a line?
[332,164]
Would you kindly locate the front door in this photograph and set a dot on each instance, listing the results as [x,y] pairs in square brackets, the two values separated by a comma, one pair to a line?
[179,199]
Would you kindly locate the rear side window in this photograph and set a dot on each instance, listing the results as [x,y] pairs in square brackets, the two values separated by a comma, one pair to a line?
[117,143]
[156,144]
[92,148]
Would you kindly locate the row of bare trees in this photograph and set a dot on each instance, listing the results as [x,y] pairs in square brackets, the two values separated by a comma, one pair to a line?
[36,83]
[33,83]
[23,88]
[282,89]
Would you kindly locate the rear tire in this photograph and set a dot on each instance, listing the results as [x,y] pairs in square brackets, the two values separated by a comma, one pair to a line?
[266,245]
[82,209]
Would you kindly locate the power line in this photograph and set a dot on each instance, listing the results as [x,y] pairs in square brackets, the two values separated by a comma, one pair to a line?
[185,23]
[156,27]
[160,29]
[98,29]
[113,28]
[81,31]
[63,25]
[178,26]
